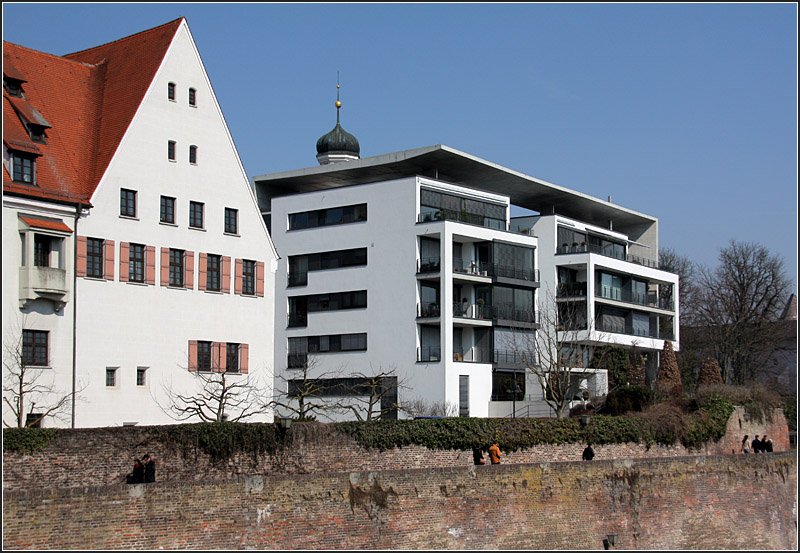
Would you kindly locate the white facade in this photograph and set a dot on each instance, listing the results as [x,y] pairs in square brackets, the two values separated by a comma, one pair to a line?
[419,270]
[144,329]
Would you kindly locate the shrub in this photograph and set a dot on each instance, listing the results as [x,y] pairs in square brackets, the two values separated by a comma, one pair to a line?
[668,382]
[710,373]
[626,399]
[667,421]
[27,440]
[758,401]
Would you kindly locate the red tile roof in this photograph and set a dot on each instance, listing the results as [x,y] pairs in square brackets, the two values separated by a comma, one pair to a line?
[89,98]
[38,222]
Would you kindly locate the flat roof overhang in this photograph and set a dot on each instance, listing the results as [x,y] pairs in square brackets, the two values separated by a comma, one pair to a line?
[450,165]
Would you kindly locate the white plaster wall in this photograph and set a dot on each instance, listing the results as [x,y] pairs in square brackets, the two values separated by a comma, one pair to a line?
[38,315]
[129,325]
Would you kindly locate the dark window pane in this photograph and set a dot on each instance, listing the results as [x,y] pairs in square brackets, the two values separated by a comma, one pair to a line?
[175,267]
[136,263]
[248,277]
[34,347]
[94,257]
[203,356]
[127,202]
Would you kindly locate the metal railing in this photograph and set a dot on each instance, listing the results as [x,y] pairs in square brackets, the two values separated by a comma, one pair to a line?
[427,310]
[471,311]
[429,354]
[592,248]
[429,265]
[647,299]
[482,268]
[462,217]
[619,328]
[571,290]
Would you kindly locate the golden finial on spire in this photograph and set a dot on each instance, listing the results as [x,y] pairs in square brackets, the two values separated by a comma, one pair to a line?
[338,102]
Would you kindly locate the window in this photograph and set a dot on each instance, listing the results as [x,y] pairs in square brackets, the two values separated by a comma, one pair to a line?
[328,343]
[232,357]
[23,167]
[300,265]
[192,97]
[325,217]
[203,356]
[141,376]
[127,202]
[171,150]
[136,263]
[34,420]
[196,214]
[231,221]
[94,257]
[176,267]
[171,91]
[34,348]
[111,376]
[167,210]
[42,246]
[248,277]
[192,154]
[213,272]
[300,306]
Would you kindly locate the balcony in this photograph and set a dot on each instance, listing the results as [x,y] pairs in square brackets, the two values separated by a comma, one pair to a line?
[429,354]
[494,270]
[298,319]
[571,290]
[461,217]
[299,278]
[591,248]
[43,283]
[474,268]
[626,296]
[429,265]
[629,330]
[474,311]
[428,310]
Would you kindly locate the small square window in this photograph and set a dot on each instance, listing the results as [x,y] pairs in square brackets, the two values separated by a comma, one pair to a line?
[23,168]
[111,377]
[127,202]
[141,376]
[171,150]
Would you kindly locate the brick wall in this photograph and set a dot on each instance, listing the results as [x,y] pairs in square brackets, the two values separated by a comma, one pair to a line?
[103,456]
[700,502]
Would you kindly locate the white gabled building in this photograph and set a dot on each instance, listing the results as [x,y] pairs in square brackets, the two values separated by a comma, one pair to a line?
[134,253]
[413,260]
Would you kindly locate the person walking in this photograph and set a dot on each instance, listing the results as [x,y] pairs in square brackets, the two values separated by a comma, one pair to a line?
[756,445]
[477,456]
[494,453]
[746,444]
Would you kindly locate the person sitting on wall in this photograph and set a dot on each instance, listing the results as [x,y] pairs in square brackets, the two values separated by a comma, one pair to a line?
[745,444]
[477,456]
[588,453]
[137,475]
[149,469]
[766,445]
[755,447]
[494,453]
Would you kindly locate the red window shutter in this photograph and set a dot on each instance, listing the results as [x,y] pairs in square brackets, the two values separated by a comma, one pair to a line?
[124,259]
[80,268]
[259,278]
[237,282]
[109,268]
[243,358]
[216,357]
[226,274]
[201,271]
[165,268]
[150,264]
[188,264]
[193,355]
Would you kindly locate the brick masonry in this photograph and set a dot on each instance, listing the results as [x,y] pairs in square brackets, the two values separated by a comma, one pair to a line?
[325,492]
[712,502]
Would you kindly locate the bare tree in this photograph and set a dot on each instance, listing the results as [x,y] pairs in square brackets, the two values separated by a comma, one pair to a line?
[373,396]
[671,261]
[308,394]
[421,408]
[28,389]
[556,353]
[738,305]
[215,397]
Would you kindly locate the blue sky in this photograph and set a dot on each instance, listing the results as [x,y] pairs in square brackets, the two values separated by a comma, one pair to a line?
[687,112]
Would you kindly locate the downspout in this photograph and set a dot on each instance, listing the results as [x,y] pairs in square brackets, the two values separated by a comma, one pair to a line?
[75,307]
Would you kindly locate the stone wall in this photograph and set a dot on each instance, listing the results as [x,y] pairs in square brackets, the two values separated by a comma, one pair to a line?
[103,456]
[700,502]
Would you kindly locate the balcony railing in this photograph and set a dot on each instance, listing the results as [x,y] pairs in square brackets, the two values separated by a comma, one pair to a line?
[591,248]
[482,268]
[298,319]
[427,310]
[471,311]
[619,328]
[646,299]
[429,265]
[571,290]
[462,217]
[299,278]
[429,354]
[513,357]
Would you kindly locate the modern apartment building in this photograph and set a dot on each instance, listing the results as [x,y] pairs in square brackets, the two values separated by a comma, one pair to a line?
[410,263]
[134,254]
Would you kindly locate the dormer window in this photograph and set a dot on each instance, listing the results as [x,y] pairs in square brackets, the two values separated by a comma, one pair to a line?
[37,133]
[12,86]
[23,167]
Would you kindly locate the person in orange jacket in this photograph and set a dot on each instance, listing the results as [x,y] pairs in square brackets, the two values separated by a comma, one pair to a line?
[494,453]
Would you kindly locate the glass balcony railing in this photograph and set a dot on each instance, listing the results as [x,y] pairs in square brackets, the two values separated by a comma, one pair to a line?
[431,215]
[571,290]
[630,330]
[427,310]
[466,310]
[607,252]
[647,299]
[429,354]
[480,268]
[429,265]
